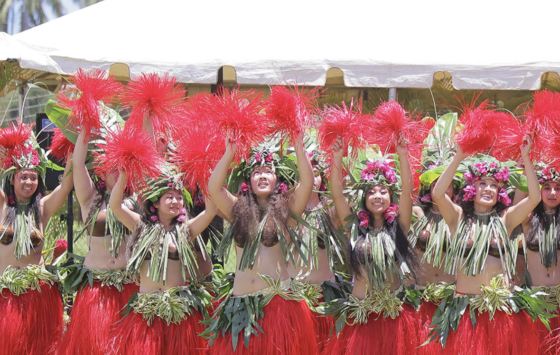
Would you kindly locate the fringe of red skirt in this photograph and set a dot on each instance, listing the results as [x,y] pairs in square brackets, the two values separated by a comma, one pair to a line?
[95,310]
[399,336]
[549,341]
[323,327]
[425,316]
[32,322]
[288,328]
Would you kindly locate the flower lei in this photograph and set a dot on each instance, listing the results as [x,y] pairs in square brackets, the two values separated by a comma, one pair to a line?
[478,170]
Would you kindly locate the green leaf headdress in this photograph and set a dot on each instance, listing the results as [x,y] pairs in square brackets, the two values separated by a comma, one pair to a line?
[170,179]
[269,153]
[546,173]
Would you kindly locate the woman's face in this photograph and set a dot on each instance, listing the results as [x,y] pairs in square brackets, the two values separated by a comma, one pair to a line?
[25,184]
[487,190]
[317,179]
[263,180]
[169,204]
[550,194]
[378,199]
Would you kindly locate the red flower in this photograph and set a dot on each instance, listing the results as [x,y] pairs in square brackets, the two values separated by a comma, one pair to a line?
[363,215]
[60,248]
[269,158]
[282,188]
[11,200]
[244,187]
[391,213]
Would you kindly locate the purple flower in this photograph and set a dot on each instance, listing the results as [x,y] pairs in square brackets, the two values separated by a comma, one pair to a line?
[323,187]
[198,201]
[363,215]
[426,198]
[493,165]
[152,209]
[391,213]
[502,175]
[269,158]
[184,210]
[258,157]
[101,185]
[282,188]
[244,187]
[390,176]
[432,167]
[470,178]
[470,193]
[181,218]
[154,218]
[503,197]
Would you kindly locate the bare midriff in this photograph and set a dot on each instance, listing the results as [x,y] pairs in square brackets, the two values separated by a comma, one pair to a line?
[541,276]
[8,258]
[99,257]
[361,284]
[318,274]
[267,262]
[471,284]
[429,274]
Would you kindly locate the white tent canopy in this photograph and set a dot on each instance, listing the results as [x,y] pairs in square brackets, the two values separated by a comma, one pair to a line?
[482,44]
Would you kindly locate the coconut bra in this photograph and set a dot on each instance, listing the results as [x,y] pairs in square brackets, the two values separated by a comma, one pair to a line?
[7,238]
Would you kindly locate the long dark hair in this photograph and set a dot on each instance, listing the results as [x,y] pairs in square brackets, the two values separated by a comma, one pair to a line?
[34,202]
[246,215]
[396,233]
[538,221]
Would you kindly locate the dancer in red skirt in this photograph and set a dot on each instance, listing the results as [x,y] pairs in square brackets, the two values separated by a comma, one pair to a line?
[102,282]
[482,318]
[260,315]
[377,319]
[30,306]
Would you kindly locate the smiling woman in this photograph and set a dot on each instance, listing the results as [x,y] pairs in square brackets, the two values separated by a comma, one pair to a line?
[30,305]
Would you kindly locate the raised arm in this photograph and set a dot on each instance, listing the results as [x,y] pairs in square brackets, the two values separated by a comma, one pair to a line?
[340,202]
[52,202]
[129,218]
[517,214]
[405,202]
[305,187]
[3,152]
[199,223]
[450,211]
[219,194]
[85,189]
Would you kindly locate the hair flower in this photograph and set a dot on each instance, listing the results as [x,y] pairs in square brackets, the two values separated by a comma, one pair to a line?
[503,197]
[181,218]
[282,188]
[152,209]
[391,213]
[427,198]
[363,215]
[244,187]
[469,193]
[154,218]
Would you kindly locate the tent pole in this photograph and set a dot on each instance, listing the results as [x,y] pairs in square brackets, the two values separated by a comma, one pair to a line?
[21,101]
[392,94]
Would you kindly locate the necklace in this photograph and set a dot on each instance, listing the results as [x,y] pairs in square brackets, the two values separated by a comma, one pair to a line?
[550,212]
[435,212]
[486,213]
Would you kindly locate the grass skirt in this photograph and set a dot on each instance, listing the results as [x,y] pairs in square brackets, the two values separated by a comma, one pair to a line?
[425,315]
[549,340]
[379,335]
[323,325]
[94,311]
[31,324]
[505,334]
[288,328]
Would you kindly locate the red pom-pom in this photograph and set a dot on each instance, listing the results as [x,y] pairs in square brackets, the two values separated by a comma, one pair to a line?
[13,139]
[91,87]
[154,94]
[389,121]
[416,144]
[132,150]
[238,113]
[481,127]
[543,119]
[289,110]
[60,248]
[510,138]
[60,147]
[347,123]
[200,145]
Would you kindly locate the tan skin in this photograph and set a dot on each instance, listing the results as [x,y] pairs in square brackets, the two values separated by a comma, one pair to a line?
[377,201]
[168,207]
[99,256]
[25,184]
[486,198]
[429,273]
[263,181]
[323,272]
[540,275]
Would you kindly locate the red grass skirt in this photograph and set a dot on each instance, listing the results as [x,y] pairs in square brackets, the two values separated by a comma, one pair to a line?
[379,335]
[323,325]
[549,340]
[425,316]
[30,324]
[132,335]
[288,330]
[94,311]
[504,334]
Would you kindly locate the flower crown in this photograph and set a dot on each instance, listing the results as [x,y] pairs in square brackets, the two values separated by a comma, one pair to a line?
[477,171]
[266,154]
[546,173]
[170,179]
[379,173]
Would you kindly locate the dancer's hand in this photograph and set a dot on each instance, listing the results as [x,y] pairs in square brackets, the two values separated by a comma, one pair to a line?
[338,148]
[231,147]
[402,144]
[527,144]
